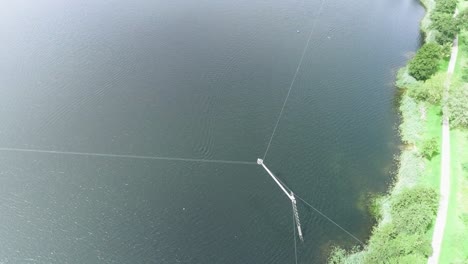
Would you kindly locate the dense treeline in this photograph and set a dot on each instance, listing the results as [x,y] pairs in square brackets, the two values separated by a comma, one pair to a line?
[444,21]
[447,26]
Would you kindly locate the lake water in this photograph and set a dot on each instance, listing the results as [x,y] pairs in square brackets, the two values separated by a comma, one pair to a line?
[201,79]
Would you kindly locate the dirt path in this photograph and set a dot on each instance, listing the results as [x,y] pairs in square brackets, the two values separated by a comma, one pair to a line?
[445,171]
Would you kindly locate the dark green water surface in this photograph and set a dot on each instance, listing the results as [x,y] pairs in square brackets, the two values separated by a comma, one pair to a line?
[200,79]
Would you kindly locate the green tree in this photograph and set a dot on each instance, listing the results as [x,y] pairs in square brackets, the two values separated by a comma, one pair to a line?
[425,62]
[446,26]
[380,243]
[430,148]
[458,106]
[445,6]
[414,210]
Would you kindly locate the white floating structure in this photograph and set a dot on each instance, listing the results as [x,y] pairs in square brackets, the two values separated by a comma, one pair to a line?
[290,196]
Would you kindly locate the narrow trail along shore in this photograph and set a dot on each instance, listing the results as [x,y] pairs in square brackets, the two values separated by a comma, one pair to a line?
[441,219]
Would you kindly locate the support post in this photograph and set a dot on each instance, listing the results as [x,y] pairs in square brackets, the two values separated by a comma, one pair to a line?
[260,162]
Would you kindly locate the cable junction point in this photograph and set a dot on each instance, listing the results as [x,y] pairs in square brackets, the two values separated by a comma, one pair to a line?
[290,196]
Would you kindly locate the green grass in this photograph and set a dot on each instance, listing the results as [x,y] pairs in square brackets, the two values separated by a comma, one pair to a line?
[433,129]
[431,174]
[443,65]
[455,242]
[461,67]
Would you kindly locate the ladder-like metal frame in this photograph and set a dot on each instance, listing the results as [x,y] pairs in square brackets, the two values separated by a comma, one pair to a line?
[290,196]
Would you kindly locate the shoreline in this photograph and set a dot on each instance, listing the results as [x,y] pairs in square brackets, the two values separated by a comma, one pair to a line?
[420,120]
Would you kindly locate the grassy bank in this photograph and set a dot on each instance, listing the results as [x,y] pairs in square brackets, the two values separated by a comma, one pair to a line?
[455,242]
[408,211]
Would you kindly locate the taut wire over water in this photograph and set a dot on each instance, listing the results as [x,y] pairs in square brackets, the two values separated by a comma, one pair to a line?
[296,217]
[106,155]
[306,46]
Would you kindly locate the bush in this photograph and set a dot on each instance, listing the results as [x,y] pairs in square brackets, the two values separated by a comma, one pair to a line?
[337,256]
[341,256]
[388,246]
[379,243]
[446,50]
[403,79]
[412,244]
[415,219]
[430,148]
[411,128]
[413,210]
[412,259]
[458,106]
[426,61]
[420,196]
[431,90]
[375,205]
[404,240]
[411,168]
